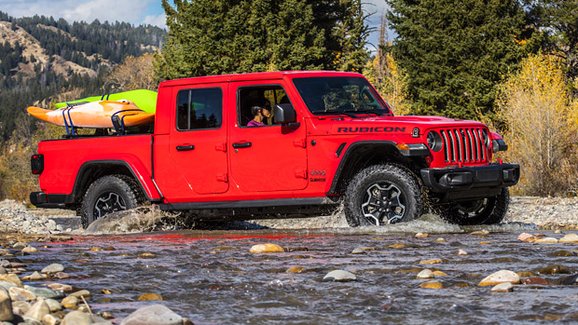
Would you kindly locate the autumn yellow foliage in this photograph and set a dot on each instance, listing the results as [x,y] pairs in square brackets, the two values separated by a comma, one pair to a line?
[539,113]
[390,81]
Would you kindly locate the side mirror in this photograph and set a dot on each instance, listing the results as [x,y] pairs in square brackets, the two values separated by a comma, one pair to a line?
[285,114]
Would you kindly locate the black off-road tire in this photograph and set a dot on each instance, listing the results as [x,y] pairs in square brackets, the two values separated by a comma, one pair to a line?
[121,190]
[488,211]
[380,177]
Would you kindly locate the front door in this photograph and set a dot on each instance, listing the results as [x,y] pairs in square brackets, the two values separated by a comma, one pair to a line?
[197,144]
[265,157]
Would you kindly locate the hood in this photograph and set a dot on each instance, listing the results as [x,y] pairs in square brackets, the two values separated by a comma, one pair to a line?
[389,124]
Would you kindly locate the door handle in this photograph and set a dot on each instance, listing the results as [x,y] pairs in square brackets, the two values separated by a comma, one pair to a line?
[186,148]
[240,145]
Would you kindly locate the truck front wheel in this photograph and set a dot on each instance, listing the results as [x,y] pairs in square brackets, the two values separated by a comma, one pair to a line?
[106,195]
[487,211]
[382,194]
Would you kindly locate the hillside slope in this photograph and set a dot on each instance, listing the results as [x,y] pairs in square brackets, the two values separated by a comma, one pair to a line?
[41,57]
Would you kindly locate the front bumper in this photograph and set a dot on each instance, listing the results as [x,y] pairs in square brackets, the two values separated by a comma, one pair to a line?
[471,182]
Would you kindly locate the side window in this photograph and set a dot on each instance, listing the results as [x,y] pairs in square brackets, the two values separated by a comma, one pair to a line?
[256,104]
[199,109]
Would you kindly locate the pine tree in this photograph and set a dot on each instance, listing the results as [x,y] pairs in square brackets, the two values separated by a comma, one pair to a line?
[215,37]
[456,52]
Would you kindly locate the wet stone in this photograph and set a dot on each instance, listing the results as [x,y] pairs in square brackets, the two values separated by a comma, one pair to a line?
[431,261]
[53,305]
[482,232]
[61,275]
[562,253]
[553,269]
[462,252]
[362,250]
[44,292]
[5,306]
[19,294]
[38,311]
[150,297]
[546,240]
[525,274]
[339,276]
[503,287]
[266,248]
[12,278]
[397,246]
[440,240]
[568,280]
[53,268]
[147,255]
[35,276]
[535,281]
[70,302]
[81,293]
[501,276]
[77,318]
[421,235]
[20,307]
[295,269]
[425,274]
[154,314]
[29,250]
[569,239]
[438,274]
[60,287]
[527,238]
[2,270]
[50,320]
[431,285]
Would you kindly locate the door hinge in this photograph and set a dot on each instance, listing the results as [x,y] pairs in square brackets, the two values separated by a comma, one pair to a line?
[302,143]
[301,173]
[223,178]
[221,147]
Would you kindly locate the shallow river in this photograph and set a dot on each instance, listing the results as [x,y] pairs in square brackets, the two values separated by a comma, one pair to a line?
[211,278]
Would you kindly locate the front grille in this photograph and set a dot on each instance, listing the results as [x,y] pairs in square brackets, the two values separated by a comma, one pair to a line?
[464,145]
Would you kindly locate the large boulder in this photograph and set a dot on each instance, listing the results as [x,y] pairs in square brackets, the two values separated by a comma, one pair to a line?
[153,315]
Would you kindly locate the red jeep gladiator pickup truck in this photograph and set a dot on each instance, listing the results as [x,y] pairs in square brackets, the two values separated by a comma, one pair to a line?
[322,138]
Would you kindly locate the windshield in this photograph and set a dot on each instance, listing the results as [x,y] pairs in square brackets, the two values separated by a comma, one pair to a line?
[340,95]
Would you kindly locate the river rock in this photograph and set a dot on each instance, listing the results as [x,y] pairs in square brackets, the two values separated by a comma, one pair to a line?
[567,280]
[503,287]
[439,274]
[339,276]
[397,246]
[38,310]
[19,294]
[70,302]
[6,285]
[431,261]
[60,287]
[526,237]
[500,277]
[61,275]
[81,293]
[553,269]
[147,255]
[29,250]
[5,306]
[53,268]
[77,318]
[425,274]
[266,248]
[482,232]
[295,269]
[20,307]
[50,320]
[53,305]
[546,240]
[150,297]
[535,281]
[2,270]
[153,315]
[569,239]
[35,276]
[440,240]
[421,235]
[362,250]
[462,252]
[13,278]
[432,285]
[44,292]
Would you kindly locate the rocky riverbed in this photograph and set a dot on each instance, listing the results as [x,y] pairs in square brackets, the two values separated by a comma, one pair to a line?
[314,270]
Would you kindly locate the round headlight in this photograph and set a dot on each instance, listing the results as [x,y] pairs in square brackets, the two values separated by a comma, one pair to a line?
[434,141]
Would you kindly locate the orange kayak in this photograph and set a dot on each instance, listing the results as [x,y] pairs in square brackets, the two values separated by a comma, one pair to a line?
[94,114]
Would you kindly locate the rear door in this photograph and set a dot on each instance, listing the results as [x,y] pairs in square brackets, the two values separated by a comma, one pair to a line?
[197,153]
[268,158]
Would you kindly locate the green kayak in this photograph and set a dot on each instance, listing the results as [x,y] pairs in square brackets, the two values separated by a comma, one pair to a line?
[143,98]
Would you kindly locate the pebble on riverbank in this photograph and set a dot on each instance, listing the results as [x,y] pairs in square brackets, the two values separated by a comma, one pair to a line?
[501,276]
[340,276]
[266,248]
[503,287]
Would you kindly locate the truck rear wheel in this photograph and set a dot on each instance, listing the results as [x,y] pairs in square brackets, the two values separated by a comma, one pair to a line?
[382,194]
[487,211]
[109,194]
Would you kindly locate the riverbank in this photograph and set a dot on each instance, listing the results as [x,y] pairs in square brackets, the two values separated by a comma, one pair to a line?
[544,213]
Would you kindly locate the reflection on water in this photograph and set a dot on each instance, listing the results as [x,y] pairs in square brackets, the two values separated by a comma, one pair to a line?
[210,276]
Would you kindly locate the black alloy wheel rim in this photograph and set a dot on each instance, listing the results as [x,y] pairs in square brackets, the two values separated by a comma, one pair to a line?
[107,203]
[383,203]
[472,209]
